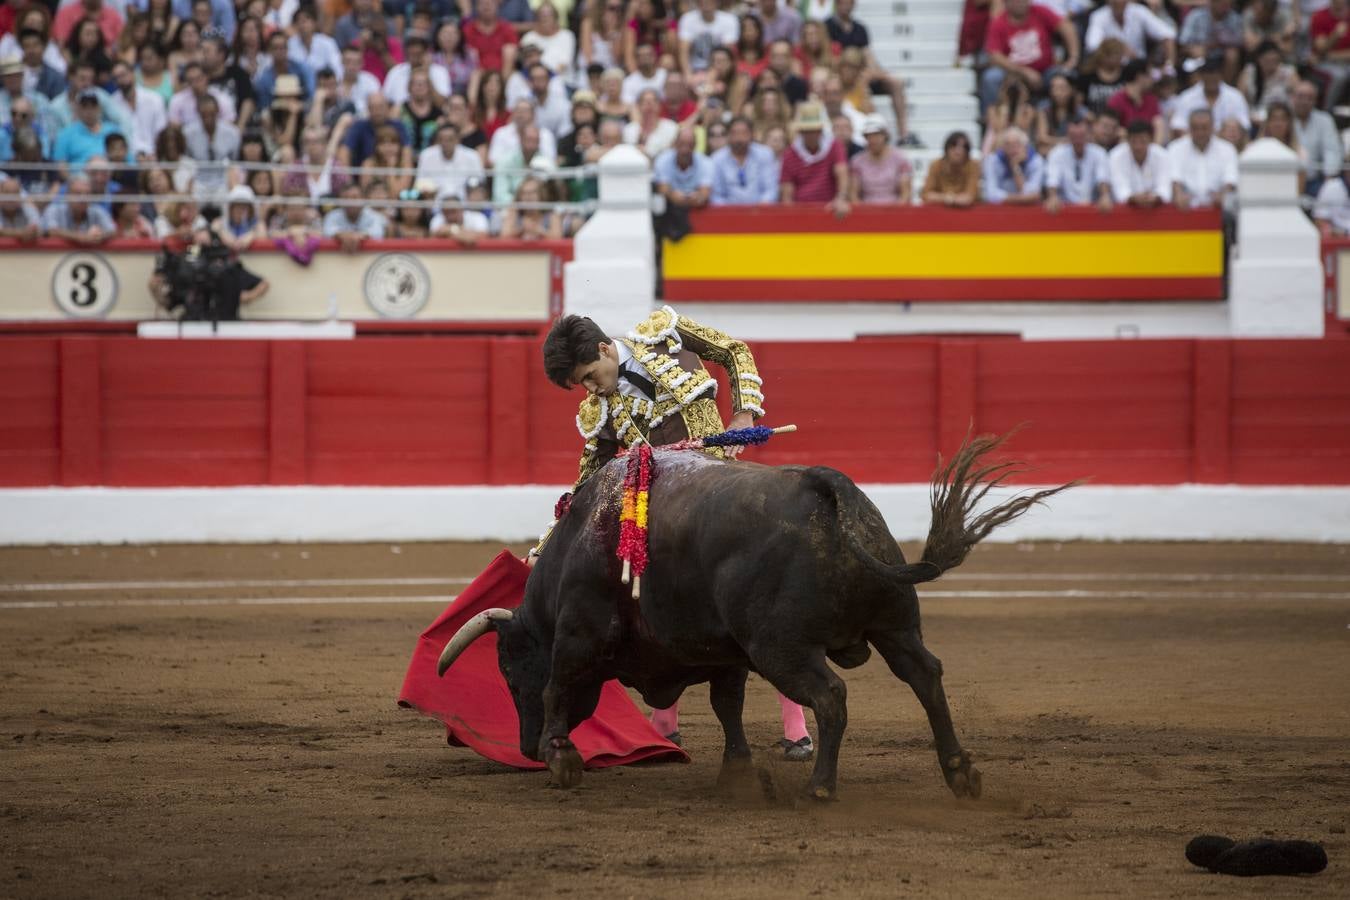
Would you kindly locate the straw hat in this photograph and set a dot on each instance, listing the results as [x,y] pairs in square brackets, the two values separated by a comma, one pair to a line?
[11,65]
[287,85]
[810,117]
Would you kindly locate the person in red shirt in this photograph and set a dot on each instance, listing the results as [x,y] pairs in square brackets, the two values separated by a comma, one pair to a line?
[67,17]
[815,166]
[1135,101]
[1021,41]
[1330,33]
[677,104]
[494,40]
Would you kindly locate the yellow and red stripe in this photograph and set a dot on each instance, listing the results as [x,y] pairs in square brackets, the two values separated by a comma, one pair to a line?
[916,253]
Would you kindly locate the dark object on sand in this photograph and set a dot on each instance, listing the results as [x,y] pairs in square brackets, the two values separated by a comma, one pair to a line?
[1258,857]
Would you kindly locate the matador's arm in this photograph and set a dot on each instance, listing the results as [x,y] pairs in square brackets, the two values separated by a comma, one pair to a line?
[714,346]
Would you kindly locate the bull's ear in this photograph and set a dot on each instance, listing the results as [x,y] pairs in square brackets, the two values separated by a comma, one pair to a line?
[469,632]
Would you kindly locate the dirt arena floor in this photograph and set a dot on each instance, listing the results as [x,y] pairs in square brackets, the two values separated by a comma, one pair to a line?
[187,721]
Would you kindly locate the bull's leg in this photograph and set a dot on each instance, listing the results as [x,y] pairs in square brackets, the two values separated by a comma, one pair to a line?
[807,679]
[911,662]
[570,689]
[727,693]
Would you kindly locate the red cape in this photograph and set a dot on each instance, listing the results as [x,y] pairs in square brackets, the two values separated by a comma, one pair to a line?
[475,704]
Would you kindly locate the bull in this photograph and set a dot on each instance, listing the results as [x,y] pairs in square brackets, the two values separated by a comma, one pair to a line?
[770,569]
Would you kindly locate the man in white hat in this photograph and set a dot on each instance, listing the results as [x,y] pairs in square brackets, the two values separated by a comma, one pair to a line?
[815,165]
[12,90]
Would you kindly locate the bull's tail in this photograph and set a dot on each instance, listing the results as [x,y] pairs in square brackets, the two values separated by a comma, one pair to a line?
[957,487]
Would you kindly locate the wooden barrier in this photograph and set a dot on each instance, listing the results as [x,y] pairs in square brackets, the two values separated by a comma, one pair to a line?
[443,410]
[900,253]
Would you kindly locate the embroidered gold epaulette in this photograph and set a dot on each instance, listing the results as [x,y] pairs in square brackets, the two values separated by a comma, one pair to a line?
[592,416]
[658,328]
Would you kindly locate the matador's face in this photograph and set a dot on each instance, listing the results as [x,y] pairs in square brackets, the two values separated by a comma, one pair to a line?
[600,377]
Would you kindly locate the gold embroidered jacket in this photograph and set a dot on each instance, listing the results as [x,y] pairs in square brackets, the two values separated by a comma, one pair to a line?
[671,348]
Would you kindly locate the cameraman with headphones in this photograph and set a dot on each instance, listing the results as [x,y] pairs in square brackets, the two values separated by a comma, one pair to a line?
[197,272]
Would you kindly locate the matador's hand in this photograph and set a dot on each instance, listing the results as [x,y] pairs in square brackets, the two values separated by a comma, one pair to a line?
[742,419]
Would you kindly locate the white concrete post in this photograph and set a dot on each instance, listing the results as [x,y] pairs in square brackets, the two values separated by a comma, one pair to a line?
[612,275]
[1276,285]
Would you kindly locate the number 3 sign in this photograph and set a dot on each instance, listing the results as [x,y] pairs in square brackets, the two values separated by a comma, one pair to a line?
[84,285]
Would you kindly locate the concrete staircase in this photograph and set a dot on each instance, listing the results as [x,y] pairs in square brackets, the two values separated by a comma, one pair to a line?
[916,40]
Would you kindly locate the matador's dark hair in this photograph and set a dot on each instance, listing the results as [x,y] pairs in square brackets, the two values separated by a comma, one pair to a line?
[572,341]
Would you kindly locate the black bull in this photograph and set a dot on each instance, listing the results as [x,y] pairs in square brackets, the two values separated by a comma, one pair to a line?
[753,568]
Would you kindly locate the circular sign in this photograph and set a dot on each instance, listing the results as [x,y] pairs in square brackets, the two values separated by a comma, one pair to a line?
[84,285]
[397,285]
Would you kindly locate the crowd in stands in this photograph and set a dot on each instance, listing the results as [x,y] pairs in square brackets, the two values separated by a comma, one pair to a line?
[463,118]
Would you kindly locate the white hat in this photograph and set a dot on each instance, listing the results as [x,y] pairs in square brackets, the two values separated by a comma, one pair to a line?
[240,193]
[874,124]
[11,64]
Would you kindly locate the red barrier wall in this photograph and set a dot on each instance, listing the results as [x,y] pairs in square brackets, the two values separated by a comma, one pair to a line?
[112,410]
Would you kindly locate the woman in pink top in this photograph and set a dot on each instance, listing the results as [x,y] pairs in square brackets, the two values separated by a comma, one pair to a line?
[880,174]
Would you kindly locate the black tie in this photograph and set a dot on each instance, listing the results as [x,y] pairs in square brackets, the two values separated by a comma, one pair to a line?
[642,383]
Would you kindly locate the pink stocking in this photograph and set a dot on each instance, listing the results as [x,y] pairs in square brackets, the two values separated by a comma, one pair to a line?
[794,720]
[666,721]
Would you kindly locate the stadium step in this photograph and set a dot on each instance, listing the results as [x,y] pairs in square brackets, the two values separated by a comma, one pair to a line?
[936,30]
[925,105]
[942,79]
[892,54]
[869,11]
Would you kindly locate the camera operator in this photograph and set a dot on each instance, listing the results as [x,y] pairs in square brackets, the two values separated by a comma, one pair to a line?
[200,276]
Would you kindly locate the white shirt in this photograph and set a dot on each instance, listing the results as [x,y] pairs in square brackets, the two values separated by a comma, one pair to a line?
[635,83]
[449,174]
[1129,178]
[1230,104]
[1333,204]
[322,53]
[396,82]
[559,50]
[147,119]
[1078,179]
[702,36]
[627,362]
[359,93]
[506,141]
[662,136]
[553,114]
[1203,175]
[473,221]
[183,106]
[1140,23]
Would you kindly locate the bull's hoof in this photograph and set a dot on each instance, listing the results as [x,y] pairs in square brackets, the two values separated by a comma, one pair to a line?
[564,764]
[819,793]
[962,777]
[736,773]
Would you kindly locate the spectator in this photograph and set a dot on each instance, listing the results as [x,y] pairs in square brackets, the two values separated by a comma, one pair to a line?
[417,46]
[602,34]
[1135,101]
[714,137]
[650,132]
[40,182]
[724,83]
[67,17]
[229,78]
[548,94]
[212,142]
[531,224]
[39,75]
[171,147]
[421,111]
[749,48]
[73,218]
[508,139]
[22,116]
[347,30]
[511,170]
[676,103]
[1106,130]
[242,223]
[646,75]
[1020,42]
[1204,167]
[447,164]
[1102,74]
[1330,32]
[492,39]
[128,221]
[215,16]
[700,31]
[19,218]
[1134,25]
[1055,112]
[283,120]
[354,221]
[379,51]
[793,86]
[1221,100]
[281,65]
[1077,172]
[490,110]
[557,45]
[1141,172]
[650,26]
[1214,29]
[815,52]
[356,84]
[849,33]
[186,46]
[101,184]
[1316,134]
[14,93]
[62,111]
[86,44]
[1015,173]
[152,73]
[1332,211]
[1279,124]
[1263,22]
[315,49]
[841,129]
[881,173]
[682,175]
[84,137]
[1267,79]
[390,153]
[518,13]
[607,137]
[457,113]
[832,98]
[453,221]
[142,107]
[815,165]
[412,221]
[779,20]
[118,154]
[360,140]
[33,17]
[183,106]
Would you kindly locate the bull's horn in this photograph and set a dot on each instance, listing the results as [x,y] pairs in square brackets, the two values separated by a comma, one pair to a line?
[469,632]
